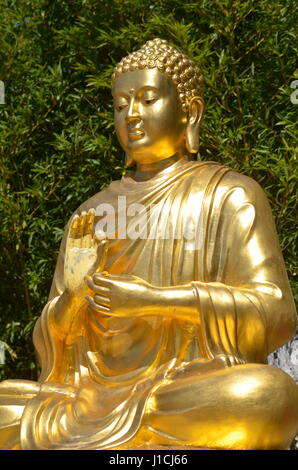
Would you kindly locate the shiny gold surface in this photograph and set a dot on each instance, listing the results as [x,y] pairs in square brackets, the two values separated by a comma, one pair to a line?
[156,332]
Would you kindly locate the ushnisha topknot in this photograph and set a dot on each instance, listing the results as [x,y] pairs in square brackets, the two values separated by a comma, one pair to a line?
[157,53]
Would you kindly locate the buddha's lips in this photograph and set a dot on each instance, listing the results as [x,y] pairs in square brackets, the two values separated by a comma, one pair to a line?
[136,133]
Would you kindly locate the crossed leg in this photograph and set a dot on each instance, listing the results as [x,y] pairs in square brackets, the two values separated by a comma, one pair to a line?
[14,394]
[249,406]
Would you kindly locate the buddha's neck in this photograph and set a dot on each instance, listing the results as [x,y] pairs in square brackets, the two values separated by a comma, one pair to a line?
[147,171]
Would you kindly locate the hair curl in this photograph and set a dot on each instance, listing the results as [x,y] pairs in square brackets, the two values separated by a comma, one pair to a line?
[157,53]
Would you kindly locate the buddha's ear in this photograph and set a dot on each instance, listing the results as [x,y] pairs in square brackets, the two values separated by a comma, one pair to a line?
[195,116]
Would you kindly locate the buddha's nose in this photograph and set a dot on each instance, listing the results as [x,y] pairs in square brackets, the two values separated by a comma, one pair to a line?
[133,113]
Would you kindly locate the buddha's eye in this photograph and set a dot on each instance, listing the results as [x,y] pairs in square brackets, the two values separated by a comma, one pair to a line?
[120,103]
[149,97]
[150,100]
[120,107]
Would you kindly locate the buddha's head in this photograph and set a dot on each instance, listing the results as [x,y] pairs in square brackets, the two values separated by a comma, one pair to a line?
[158,103]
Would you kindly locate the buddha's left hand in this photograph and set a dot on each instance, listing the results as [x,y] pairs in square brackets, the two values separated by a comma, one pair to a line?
[121,296]
[130,296]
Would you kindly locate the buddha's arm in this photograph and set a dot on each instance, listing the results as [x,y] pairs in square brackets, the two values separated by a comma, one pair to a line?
[64,317]
[58,325]
[57,310]
[245,306]
[78,254]
[62,320]
[234,320]
[126,295]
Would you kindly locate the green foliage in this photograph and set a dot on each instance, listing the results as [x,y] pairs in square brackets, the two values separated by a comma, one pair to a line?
[58,145]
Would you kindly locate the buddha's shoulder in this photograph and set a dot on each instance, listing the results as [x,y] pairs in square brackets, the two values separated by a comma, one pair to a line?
[245,184]
[224,178]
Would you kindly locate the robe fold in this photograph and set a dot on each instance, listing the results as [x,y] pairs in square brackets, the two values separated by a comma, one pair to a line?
[200,224]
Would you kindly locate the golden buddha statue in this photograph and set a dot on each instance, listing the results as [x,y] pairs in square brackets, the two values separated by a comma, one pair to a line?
[170,291]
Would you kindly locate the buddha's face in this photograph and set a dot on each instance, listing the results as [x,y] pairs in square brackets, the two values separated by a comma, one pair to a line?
[149,120]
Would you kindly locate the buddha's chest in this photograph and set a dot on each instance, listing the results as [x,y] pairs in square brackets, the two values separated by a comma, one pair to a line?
[159,241]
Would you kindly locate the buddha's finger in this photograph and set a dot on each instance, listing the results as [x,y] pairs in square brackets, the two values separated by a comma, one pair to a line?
[97,288]
[73,231]
[103,301]
[122,277]
[88,229]
[74,225]
[231,361]
[97,307]
[81,229]
[102,255]
[101,279]
[91,217]
[116,278]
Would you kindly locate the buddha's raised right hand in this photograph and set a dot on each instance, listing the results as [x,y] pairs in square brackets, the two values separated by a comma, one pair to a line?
[85,254]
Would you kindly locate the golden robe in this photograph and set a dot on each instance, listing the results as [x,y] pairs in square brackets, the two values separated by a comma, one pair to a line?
[96,385]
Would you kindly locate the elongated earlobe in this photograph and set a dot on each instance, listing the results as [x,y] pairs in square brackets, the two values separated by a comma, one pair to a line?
[195,116]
